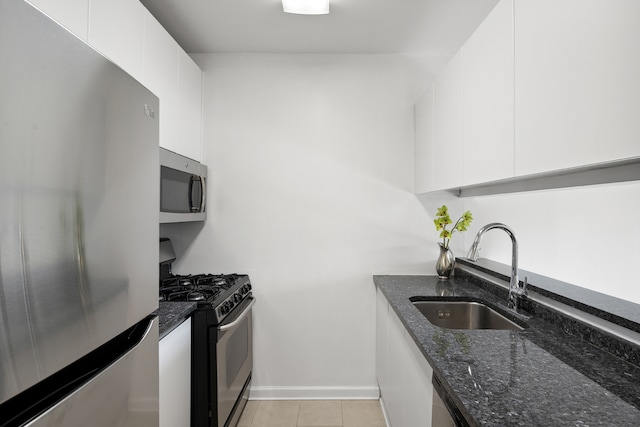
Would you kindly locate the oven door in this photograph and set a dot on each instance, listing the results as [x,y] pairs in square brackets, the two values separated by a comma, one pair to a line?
[234,356]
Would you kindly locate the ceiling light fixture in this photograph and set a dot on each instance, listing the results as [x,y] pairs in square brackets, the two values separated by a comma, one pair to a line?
[306,7]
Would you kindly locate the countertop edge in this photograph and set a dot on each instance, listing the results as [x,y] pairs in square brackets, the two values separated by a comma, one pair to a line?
[172,314]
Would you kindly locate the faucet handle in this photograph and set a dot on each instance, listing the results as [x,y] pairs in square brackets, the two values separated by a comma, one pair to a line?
[524,285]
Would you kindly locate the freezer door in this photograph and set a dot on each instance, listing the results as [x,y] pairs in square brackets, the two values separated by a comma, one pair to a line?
[78,199]
[122,394]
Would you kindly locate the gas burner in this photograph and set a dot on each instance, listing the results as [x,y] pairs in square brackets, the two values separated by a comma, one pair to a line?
[185,281]
[195,296]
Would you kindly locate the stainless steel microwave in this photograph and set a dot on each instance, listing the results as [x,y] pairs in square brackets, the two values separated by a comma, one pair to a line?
[183,188]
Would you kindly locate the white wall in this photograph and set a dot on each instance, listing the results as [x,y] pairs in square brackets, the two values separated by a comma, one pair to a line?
[311,193]
[586,236]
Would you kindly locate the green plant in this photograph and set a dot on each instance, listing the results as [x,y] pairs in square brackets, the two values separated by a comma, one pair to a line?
[443,220]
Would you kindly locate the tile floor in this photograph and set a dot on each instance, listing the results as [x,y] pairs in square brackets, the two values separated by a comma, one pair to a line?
[312,413]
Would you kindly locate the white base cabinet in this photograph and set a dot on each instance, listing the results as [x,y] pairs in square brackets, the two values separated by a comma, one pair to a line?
[175,377]
[404,375]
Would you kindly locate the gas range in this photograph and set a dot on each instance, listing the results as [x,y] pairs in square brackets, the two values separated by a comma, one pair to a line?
[222,339]
[220,292]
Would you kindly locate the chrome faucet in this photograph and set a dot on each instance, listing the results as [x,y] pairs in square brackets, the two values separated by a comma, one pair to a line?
[516,293]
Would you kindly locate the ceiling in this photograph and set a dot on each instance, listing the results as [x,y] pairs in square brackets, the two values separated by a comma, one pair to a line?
[432,28]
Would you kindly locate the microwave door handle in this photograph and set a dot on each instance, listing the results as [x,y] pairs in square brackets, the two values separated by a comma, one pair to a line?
[191,193]
[192,180]
[203,193]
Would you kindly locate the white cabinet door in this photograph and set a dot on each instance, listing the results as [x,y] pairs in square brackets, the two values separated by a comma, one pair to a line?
[382,308]
[116,29]
[419,389]
[161,55]
[448,162]
[488,82]
[174,356]
[396,365]
[189,108]
[71,14]
[404,375]
[577,67]
[425,144]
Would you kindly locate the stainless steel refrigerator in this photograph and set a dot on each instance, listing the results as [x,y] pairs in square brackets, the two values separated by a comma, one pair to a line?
[78,232]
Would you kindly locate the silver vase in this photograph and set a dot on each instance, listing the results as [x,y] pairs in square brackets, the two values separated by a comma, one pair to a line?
[445,263]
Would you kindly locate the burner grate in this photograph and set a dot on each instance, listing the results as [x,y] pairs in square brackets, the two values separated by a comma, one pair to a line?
[201,287]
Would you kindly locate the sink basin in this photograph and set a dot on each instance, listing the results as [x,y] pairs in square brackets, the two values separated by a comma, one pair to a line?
[464,315]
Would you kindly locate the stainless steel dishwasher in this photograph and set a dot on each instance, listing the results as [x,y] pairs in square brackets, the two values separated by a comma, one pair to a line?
[445,413]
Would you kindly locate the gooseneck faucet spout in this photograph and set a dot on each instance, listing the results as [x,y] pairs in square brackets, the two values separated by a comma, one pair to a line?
[515,291]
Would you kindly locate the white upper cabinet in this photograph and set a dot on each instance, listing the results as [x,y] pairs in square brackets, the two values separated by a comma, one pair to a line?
[488,83]
[160,68]
[189,107]
[126,33]
[424,134]
[71,14]
[116,29]
[577,86]
[448,132]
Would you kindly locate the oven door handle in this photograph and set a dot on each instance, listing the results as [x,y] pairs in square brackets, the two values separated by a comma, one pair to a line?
[239,319]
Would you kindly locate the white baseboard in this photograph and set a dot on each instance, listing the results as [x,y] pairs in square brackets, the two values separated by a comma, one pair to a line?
[314,393]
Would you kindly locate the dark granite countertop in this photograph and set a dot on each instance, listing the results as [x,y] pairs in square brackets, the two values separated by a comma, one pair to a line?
[172,314]
[540,376]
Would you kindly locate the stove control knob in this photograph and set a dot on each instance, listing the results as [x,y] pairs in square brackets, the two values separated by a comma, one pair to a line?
[237,298]
[223,309]
[226,307]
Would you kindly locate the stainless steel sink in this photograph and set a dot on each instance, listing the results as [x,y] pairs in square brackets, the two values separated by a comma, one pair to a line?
[464,315]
